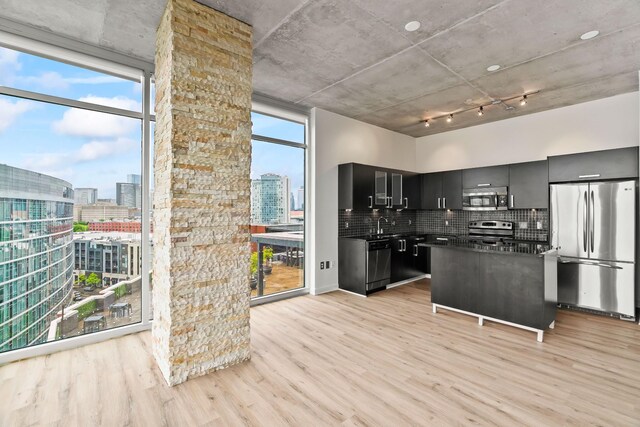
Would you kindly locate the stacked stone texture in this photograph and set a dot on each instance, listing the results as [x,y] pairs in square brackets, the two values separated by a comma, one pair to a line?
[202,210]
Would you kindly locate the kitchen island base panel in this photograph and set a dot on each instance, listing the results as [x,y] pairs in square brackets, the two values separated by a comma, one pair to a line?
[406,282]
[481,319]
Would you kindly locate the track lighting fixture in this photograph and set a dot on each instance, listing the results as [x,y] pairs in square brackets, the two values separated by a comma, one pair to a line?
[480,109]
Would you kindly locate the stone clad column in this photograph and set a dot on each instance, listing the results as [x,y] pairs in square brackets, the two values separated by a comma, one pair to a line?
[202,201]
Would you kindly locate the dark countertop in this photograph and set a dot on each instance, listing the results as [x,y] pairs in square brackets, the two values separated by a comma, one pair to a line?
[370,237]
[511,248]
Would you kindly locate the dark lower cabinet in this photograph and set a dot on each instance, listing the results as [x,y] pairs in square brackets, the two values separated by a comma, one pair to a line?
[398,262]
[407,258]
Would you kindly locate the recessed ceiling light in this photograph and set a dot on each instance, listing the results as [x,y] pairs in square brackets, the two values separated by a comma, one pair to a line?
[493,67]
[589,35]
[412,26]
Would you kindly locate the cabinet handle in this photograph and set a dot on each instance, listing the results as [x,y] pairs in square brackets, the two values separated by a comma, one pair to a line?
[406,203]
[371,202]
[390,202]
[593,175]
[415,250]
[442,239]
[511,201]
[444,203]
[438,202]
[484,185]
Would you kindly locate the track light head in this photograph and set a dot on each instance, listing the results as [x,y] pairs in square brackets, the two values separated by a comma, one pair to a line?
[426,123]
[523,101]
[480,111]
[450,118]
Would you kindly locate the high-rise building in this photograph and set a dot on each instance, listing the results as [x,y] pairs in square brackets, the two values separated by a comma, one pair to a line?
[134,179]
[293,202]
[36,254]
[300,204]
[270,201]
[85,196]
[129,194]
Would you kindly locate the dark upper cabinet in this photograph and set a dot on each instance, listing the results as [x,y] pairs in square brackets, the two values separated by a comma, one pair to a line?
[529,185]
[491,176]
[452,189]
[608,164]
[431,197]
[412,189]
[369,187]
[355,186]
[442,190]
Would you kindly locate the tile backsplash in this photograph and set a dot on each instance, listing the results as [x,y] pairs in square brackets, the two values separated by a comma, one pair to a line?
[530,224]
[359,223]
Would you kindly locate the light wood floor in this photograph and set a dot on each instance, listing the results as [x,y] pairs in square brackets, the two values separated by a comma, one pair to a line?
[339,359]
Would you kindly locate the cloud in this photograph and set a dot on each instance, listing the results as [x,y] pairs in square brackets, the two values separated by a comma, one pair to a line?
[10,111]
[91,151]
[9,66]
[55,81]
[91,124]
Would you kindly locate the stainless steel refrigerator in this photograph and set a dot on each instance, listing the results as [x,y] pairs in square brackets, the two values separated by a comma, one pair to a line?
[593,227]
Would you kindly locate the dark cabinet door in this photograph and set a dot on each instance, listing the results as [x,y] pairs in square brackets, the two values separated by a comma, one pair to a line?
[396,189]
[398,260]
[529,185]
[452,190]
[424,259]
[412,185]
[491,176]
[620,163]
[418,257]
[431,197]
[355,186]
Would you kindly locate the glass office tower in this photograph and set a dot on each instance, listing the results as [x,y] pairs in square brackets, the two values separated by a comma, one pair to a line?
[36,254]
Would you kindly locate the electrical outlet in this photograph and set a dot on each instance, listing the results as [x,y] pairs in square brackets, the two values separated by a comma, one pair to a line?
[523,225]
[346,225]
[446,222]
[539,225]
[327,264]
[322,265]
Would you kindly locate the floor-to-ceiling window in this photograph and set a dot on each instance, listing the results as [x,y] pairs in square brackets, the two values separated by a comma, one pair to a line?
[72,192]
[277,204]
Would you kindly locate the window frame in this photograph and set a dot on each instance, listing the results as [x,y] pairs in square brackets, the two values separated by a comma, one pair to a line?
[272,109]
[116,65]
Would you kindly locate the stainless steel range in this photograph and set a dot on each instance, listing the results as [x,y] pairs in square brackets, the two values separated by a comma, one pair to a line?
[491,232]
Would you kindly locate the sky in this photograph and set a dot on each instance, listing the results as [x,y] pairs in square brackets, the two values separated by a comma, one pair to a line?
[91,149]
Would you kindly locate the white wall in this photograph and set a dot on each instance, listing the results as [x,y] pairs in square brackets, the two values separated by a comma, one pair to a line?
[338,139]
[596,125]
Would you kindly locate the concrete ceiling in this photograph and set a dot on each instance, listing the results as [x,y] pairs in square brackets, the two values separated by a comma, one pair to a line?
[355,58]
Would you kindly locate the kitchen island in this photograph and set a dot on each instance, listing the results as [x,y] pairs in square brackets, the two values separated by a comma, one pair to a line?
[513,283]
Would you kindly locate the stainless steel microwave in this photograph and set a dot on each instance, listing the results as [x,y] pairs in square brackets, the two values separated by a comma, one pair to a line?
[485,199]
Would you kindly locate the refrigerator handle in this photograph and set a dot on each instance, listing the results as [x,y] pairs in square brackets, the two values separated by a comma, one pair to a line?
[584,223]
[593,222]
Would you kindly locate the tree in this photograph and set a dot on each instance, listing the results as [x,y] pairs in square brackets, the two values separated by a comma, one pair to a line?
[79,228]
[82,279]
[93,280]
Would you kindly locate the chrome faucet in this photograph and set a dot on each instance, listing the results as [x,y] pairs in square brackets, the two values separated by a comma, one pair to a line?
[385,220]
